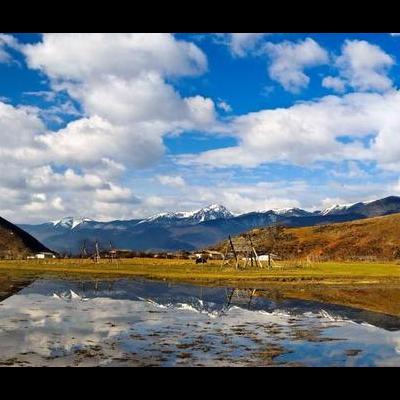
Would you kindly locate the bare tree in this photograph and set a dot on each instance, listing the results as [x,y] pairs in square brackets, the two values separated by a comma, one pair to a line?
[269,238]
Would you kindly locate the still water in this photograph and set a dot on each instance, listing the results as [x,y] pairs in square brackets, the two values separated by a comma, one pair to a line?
[135,322]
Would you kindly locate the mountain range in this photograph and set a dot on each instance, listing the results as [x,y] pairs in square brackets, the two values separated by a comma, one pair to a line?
[192,230]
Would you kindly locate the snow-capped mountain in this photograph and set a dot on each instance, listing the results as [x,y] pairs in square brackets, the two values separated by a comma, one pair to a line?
[291,212]
[337,209]
[212,212]
[209,213]
[70,222]
[191,230]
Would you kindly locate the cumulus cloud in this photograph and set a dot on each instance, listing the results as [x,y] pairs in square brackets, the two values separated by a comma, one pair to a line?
[313,131]
[173,181]
[362,66]
[87,55]
[121,82]
[128,104]
[289,60]
[335,83]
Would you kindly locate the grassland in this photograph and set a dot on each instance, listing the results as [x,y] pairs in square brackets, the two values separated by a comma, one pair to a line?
[327,273]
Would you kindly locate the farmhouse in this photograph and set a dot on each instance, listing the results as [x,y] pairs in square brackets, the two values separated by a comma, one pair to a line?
[42,256]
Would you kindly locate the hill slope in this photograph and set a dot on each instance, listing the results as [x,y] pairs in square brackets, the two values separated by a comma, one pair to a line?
[16,243]
[371,238]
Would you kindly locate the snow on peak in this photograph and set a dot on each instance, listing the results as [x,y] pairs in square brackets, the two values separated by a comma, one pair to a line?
[336,208]
[286,212]
[211,212]
[293,212]
[70,222]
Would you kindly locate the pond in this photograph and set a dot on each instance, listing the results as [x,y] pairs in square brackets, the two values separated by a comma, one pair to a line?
[136,322]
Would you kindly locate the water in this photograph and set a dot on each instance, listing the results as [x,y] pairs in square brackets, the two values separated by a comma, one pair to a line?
[131,322]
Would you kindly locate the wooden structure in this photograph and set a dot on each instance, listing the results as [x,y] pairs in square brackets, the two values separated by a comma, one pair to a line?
[83,250]
[239,249]
[112,253]
[96,256]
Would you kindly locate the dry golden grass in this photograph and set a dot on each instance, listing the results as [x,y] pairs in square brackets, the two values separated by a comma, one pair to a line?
[378,298]
[188,271]
[367,239]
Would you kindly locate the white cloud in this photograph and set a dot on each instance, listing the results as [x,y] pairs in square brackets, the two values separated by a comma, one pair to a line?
[395,34]
[4,56]
[44,178]
[364,66]
[38,205]
[241,197]
[115,194]
[126,55]
[311,131]
[18,127]
[7,42]
[120,82]
[289,60]
[223,105]
[352,171]
[335,83]
[241,44]
[173,181]
[47,95]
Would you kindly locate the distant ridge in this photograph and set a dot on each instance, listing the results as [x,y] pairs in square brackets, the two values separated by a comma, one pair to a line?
[190,230]
[16,243]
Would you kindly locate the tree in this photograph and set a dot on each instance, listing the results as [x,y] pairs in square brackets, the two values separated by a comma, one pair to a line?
[269,239]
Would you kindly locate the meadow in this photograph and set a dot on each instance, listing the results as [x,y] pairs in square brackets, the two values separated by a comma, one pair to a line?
[326,273]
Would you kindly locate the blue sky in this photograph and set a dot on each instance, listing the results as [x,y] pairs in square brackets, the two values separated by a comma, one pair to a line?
[118,126]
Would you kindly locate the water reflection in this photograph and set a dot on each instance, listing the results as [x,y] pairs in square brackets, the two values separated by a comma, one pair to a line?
[141,322]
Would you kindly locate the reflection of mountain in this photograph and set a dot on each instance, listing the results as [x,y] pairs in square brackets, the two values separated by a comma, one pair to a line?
[192,230]
[143,323]
[213,301]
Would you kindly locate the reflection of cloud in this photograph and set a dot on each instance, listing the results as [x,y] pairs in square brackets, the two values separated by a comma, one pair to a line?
[35,321]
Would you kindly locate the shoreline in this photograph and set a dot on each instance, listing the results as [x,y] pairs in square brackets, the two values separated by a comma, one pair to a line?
[369,286]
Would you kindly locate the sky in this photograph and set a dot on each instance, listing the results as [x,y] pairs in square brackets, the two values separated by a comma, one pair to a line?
[125,125]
